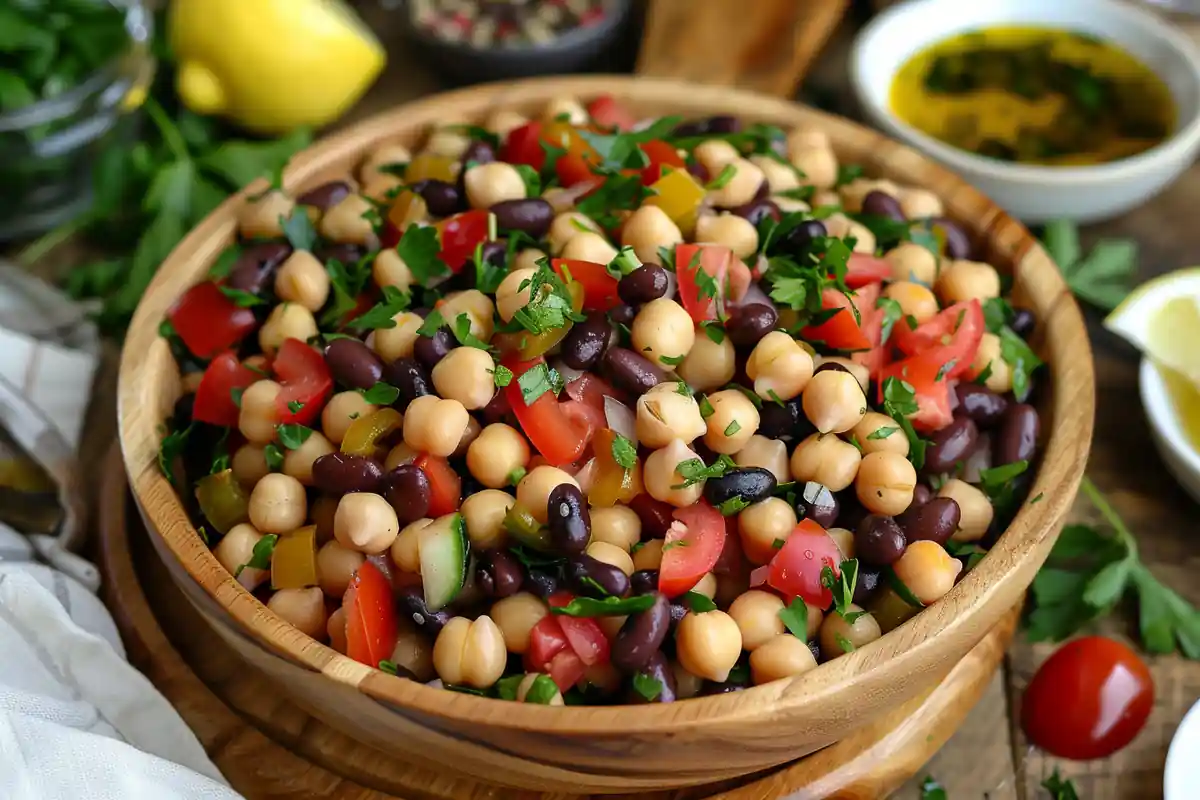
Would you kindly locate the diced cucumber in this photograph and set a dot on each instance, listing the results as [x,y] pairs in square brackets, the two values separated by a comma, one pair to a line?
[443,549]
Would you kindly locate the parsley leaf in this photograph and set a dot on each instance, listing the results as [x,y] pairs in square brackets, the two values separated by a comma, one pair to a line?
[900,401]
[648,687]
[534,383]
[381,394]
[606,607]
[433,323]
[722,180]
[1017,353]
[533,181]
[699,603]
[843,588]
[346,283]
[1104,276]
[882,432]
[260,556]
[293,436]
[733,505]
[617,193]
[382,314]
[503,375]
[997,313]
[713,331]
[932,790]
[462,332]
[273,456]
[419,249]
[242,299]
[549,307]
[617,150]
[693,470]
[624,452]
[671,361]
[892,312]
[170,451]
[389,667]
[795,618]
[1060,788]
[298,230]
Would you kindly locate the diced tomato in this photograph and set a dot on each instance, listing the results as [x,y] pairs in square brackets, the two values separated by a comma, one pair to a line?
[730,279]
[599,287]
[796,569]
[606,112]
[208,322]
[694,543]
[951,338]
[661,155]
[573,169]
[591,389]
[461,234]
[584,634]
[546,640]
[930,386]
[865,299]
[863,269]
[585,417]
[523,146]
[370,616]
[305,379]
[445,485]
[214,397]
[840,331]
[566,669]
[555,435]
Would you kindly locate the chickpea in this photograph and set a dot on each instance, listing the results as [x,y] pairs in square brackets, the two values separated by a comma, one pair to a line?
[413,653]
[976,510]
[648,229]
[708,364]
[885,483]
[602,677]
[533,491]
[616,525]
[666,415]
[612,555]
[927,570]
[470,652]
[398,342]
[860,373]
[381,188]
[839,637]
[347,221]
[527,259]
[780,177]
[299,462]
[302,280]
[565,227]
[406,550]
[741,188]
[733,420]
[789,205]
[967,280]
[392,154]
[365,522]
[804,136]
[708,644]
[526,684]
[879,433]
[762,525]
[568,107]
[444,140]
[336,565]
[687,685]
[503,121]
[714,154]
[834,401]
[321,511]
[912,262]
[249,464]
[649,555]
[236,548]
[826,198]
[513,293]
[826,459]
[340,412]
[661,475]
[844,539]
[769,454]
[730,230]
[389,269]
[335,629]
[915,300]
[783,656]
[999,378]
[588,246]
[303,609]
[757,616]
[433,425]
[841,226]
[278,504]
[779,367]
[400,454]
[483,513]
[517,615]
[466,375]
[259,218]
[470,434]
[492,183]
[920,204]
[857,190]
[663,330]
[478,307]
[818,165]
[707,586]
[498,451]
[286,321]
[611,625]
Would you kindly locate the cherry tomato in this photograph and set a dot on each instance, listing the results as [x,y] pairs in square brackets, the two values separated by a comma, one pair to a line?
[370,616]
[606,112]
[445,485]
[863,269]
[1087,700]
[208,322]
[599,287]
[306,382]
[694,543]
[555,435]
[703,299]
[796,569]
[214,397]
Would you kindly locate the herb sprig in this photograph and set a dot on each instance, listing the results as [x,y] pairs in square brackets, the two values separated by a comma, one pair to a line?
[1102,277]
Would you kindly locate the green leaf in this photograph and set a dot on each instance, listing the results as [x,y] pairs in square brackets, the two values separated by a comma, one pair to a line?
[542,691]
[900,401]
[503,375]
[242,299]
[1059,788]
[795,618]
[997,314]
[506,688]
[389,667]
[1061,240]
[624,452]
[648,687]
[383,313]
[299,230]
[932,790]
[722,180]
[843,589]
[534,383]
[1106,588]
[462,332]
[892,312]
[170,450]
[732,506]
[1017,353]
[607,607]
[293,436]
[260,557]
[533,181]
[274,457]
[419,249]
[347,283]
[693,470]
[550,306]
[616,149]
[240,163]
[171,190]
[698,602]
[617,193]
[381,394]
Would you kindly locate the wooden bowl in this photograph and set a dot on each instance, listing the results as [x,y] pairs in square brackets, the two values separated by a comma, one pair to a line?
[626,748]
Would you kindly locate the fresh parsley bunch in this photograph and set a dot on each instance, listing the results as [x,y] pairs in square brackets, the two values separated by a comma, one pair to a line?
[1104,276]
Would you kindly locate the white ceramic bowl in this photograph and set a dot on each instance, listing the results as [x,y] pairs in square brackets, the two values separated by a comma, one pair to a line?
[1167,430]
[1181,776]
[1035,193]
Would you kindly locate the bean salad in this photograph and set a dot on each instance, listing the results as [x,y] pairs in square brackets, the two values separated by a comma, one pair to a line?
[588,409]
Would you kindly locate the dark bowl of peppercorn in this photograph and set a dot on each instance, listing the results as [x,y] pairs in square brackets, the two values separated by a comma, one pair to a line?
[487,40]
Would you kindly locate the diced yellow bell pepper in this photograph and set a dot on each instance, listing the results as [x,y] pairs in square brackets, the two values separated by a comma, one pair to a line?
[679,195]
[366,433]
[430,166]
[222,500]
[294,560]
[612,483]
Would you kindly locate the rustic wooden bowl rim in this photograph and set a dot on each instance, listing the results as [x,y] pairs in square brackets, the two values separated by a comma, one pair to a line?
[902,650]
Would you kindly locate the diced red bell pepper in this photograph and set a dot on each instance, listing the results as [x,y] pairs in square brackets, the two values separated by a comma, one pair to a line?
[599,287]
[660,155]
[208,322]
[694,543]
[445,485]
[556,435]
[370,616]
[214,397]
[460,235]
[841,331]
[306,382]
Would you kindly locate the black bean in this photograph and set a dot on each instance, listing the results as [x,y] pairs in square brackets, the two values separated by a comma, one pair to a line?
[496,410]
[756,211]
[958,243]
[587,341]
[478,151]
[935,521]
[762,191]
[750,484]
[865,585]
[722,123]
[643,581]
[654,515]
[980,403]
[749,323]
[342,473]
[698,171]
[353,364]
[641,635]
[339,251]
[882,204]
[543,584]
[922,494]
[1017,438]
[832,366]
[879,541]
[850,511]
[498,574]
[429,350]
[631,372]
[622,314]
[786,422]
[592,577]
[950,445]
[647,282]
[325,196]
[815,648]
[531,215]
[659,669]
[441,198]
[255,267]
[569,520]
[407,489]
[412,605]
[679,610]
[1023,322]
[407,375]
[804,233]
[817,503]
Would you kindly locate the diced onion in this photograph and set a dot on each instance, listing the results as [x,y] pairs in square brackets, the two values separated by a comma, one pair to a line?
[569,375]
[758,575]
[250,578]
[620,419]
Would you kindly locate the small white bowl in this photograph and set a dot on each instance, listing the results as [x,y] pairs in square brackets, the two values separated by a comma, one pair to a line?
[1038,193]
[1167,430]
[1181,776]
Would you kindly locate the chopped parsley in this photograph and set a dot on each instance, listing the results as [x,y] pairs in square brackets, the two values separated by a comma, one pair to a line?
[624,452]
[606,607]
[892,312]
[706,409]
[698,602]
[623,263]
[694,471]
[722,180]
[671,361]
[273,456]
[299,230]
[171,450]
[617,193]
[733,505]
[502,375]
[260,557]
[648,687]
[381,394]
[346,283]
[549,307]
[713,331]
[1020,357]
[294,406]
[382,314]
[242,299]
[537,381]
[732,428]
[293,436]
[418,249]
[899,402]
[515,476]
[462,332]
[795,618]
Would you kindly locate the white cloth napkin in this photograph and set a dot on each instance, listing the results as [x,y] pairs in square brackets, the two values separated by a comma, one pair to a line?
[76,720]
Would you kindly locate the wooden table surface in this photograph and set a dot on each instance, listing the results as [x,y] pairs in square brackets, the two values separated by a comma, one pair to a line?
[988,757]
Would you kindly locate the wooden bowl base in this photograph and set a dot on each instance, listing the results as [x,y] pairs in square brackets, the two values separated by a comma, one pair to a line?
[271,749]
